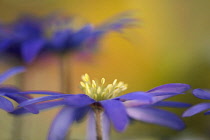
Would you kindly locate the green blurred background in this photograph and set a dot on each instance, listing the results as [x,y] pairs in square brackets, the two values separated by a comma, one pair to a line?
[171,45]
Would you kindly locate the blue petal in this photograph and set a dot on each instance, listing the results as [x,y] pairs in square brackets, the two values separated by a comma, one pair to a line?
[61,124]
[31,48]
[207,113]
[196,109]
[22,98]
[39,92]
[79,100]
[41,99]
[172,104]
[80,113]
[39,106]
[80,36]
[6,104]
[91,127]
[141,96]
[8,89]
[174,88]
[11,72]
[156,116]
[201,94]
[116,112]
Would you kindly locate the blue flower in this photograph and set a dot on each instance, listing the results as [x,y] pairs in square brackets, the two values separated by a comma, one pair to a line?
[24,39]
[8,91]
[27,38]
[113,108]
[202,94]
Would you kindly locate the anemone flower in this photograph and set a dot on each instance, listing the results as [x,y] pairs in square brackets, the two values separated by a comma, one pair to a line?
[23,39]
[27,37]
[103,105]
[202,94]
[7,91]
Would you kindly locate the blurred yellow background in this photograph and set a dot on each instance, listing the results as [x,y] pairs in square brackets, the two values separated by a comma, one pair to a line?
[171,45]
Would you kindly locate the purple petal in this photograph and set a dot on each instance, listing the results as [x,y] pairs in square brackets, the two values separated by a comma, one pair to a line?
[156,116]
[172,104]
[141,96]
[80,113]
[31,49]
[91,129]
[39,106]
[174,88]
[133,103]
[22,98]
[6,104]
[202,94]
[207,113]
[160,98]
[79,100]
[41,99]
[61,124]
[196,109]
[8,89]
[164,93]
[40,92]
[11,72]
[116,112]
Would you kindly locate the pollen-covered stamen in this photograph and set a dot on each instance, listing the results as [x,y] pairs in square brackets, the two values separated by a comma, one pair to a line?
[99,91]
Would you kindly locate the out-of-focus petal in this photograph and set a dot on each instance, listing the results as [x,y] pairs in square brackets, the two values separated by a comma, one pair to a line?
[116,112]
[8,89]
[172,104]
[61,124]
[31,48]
[79,100]
[156,116]
[6,104]
[91,127]
[141,96]
[174,88]
[196,109]
[41,99]
[11,72]
[39,92]
[202,94]
[39,106]
[207,113]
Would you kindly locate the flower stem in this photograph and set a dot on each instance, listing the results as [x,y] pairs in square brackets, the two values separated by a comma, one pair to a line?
[64,74]
[98,120]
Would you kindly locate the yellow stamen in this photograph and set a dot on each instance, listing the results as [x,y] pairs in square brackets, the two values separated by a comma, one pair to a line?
[102,91]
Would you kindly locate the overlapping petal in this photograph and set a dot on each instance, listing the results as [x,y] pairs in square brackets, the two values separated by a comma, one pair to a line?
[141,96]
[41,99]
[40,106]
[79,100]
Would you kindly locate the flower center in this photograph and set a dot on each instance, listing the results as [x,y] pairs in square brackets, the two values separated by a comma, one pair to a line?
[99,91]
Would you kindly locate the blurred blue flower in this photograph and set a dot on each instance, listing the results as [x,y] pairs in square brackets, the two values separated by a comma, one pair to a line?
[9,91]
[28,37]
[115,109]
[202,94]
[22,39]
